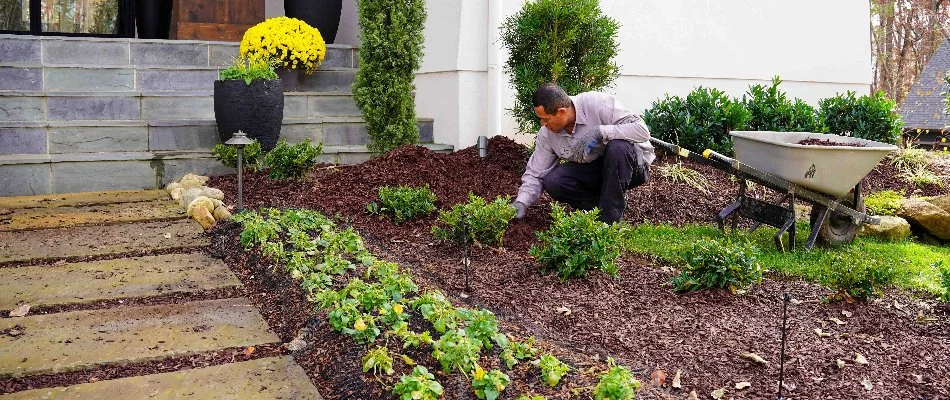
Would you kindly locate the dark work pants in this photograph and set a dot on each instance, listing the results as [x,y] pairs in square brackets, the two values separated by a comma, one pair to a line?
[602,182]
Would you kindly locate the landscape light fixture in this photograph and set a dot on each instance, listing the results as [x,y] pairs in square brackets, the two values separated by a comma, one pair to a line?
[239,140]
[482,147]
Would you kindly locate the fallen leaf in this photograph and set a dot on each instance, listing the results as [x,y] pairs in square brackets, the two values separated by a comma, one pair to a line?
[898,306]
[858,358]
[867,384]
[743,385]
[840,363]
[718,393]
[249,350]
[658,377]
[167,235]
[677,379]
[837,321]
[796,302]
[820,333]
[847,313]
[20,311]
[755,358]
[693,396]
[918,378]
[564,310]
[407,360]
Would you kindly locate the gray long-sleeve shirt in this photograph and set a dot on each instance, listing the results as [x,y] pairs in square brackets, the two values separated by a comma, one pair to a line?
[599,118]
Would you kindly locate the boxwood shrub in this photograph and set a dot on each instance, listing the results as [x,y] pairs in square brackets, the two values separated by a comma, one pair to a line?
[576,243]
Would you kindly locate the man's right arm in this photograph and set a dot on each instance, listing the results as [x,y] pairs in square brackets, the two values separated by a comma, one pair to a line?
[542,161]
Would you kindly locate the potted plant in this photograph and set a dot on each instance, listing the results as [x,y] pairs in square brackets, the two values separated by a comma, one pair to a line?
[296,49]
[248,96]
[321,14]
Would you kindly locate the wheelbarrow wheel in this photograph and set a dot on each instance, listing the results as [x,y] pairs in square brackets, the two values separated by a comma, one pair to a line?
[838,228]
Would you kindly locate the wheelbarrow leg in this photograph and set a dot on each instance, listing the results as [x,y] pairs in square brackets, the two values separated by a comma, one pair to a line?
[731,209]
[791,232]
[816,226]
[790,228]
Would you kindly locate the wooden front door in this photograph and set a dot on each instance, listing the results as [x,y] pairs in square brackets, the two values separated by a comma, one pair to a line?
[224,20]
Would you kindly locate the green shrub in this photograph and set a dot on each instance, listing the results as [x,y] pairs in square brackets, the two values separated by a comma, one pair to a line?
[475,222]
[390,54]
[552,369]
[701,121]
[576,243]
[858,281]
[249,70]
[421,385]
[617,384]
[291,161]
[579,45]
[403,203]
[253,155]
[489,385]
[871,117]
[710,264]
[771,110]
[885,202]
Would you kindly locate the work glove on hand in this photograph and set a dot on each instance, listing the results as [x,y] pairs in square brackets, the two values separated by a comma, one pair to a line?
[520,207]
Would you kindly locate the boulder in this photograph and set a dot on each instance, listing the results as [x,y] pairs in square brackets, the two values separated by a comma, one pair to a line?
[193,181]
[172,186]
[217,203]
[212,193]
[204,217]
[189,196]
[892,229]
[222,214]
[941,201]
[177,192]
[200,202]
[930,218]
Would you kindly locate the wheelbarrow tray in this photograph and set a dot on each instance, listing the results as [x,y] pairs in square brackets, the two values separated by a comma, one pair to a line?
[832,170]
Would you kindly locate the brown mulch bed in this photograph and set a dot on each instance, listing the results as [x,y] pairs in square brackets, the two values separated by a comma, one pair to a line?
[635,318]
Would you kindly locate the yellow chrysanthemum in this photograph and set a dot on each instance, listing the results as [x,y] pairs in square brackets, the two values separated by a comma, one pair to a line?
[359,325]
[289,42]
[397,308]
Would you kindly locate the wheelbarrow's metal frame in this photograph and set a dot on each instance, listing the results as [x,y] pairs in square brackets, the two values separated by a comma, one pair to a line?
[776,215]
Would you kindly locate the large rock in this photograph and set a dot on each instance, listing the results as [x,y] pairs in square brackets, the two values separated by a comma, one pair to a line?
[204,217]
[193,181]
[189,196]
[893,229]
[212,193]
[932,219]
[942,202]
[200,202]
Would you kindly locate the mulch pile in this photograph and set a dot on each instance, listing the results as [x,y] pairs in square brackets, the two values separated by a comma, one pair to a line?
[635,318]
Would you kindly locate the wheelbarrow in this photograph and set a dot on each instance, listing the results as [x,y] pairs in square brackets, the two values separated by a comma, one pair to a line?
[828,177]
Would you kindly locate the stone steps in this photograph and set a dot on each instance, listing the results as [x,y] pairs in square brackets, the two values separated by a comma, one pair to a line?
[105,214]
[81,340]
[48,245]
[87,282]
[264,379]
[82,199]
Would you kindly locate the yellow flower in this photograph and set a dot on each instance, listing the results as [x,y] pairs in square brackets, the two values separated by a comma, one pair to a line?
[479,373]
[397,308]
[359,325]
[283,40]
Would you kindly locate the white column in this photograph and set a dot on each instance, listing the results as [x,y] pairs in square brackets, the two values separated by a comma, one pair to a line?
[495,77]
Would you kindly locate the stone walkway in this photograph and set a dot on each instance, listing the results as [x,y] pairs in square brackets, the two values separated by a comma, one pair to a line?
[81,250]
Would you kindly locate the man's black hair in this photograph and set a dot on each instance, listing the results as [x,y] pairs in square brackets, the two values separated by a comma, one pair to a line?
[551,97]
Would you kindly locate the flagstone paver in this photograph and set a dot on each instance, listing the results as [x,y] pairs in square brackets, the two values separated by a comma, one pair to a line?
[263,379]
[113,279]
[76,242]
[82,199]
[102,214]
[85,339]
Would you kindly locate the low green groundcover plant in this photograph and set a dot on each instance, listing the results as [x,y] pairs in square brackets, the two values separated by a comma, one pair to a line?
[291,161]
[403,203]
[885,202]
[576,243]
[617,384]
[714,265]
[489,385]
[251,160]
[420,385]
[859,281]
[476,222]
[552,369]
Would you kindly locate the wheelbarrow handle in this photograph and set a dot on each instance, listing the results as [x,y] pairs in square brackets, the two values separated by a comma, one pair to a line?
[713,155]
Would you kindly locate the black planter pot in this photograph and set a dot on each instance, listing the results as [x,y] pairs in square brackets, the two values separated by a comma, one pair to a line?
[257,109]
[153,18]
[321,14]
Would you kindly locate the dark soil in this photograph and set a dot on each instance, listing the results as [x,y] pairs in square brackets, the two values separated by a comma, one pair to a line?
[829,142]
[635,318]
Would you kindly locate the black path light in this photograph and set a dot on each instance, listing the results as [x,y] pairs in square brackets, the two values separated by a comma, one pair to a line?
[482,147]
[239,140]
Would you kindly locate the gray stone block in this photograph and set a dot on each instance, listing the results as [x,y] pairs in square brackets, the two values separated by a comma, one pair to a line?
[174,170]
[69,108]
[175,107]
[18,78]
[89,79]
[186,137]
[25,50]
[24,179]
[333,106]
[223,55]
[177,54]
[157,80]
[26,140]
[327,81]
[82,51]
[336,134]
[353,157]
[338,58]
[95,139]
[426,131]
[92,176]
[295,106]
[296,133]
[22,108]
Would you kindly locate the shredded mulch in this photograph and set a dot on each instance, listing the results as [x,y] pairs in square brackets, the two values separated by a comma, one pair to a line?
[829,142]
[635,318]
[163,299]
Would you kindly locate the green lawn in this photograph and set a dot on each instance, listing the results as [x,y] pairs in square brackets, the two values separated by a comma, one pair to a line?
[915,264]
